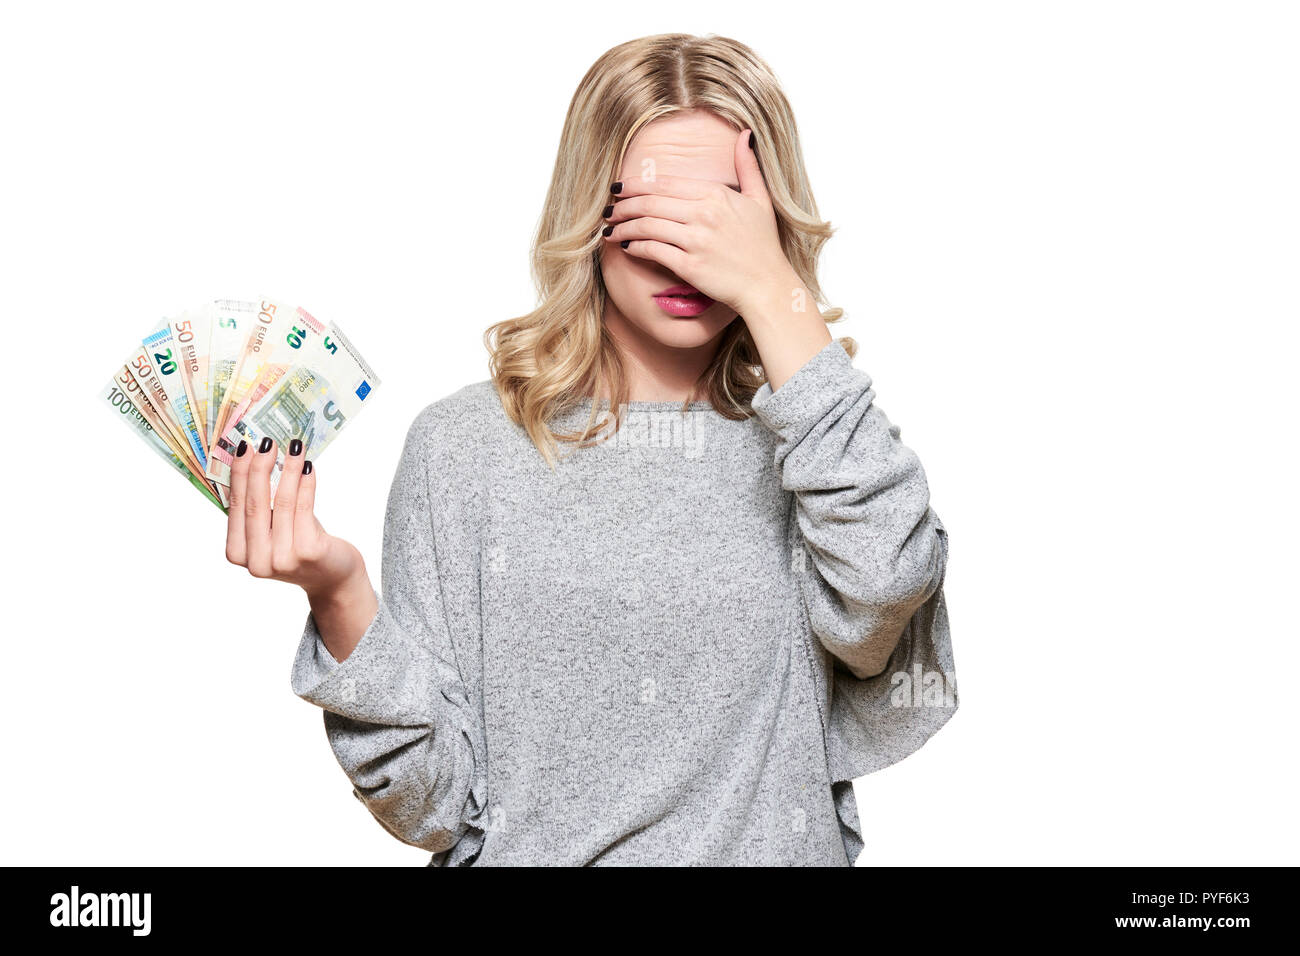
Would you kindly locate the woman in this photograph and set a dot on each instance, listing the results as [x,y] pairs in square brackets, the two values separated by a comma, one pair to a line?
[657,591]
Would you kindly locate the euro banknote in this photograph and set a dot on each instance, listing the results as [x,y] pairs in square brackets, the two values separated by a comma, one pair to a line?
[228,323]
[262,356]
[236,370]
[164,352]
[122,397]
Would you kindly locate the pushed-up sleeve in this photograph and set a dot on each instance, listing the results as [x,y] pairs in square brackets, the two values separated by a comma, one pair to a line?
[873,563]
[398,715]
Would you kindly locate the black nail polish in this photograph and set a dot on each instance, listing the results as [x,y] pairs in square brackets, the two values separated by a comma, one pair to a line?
[295,446]
[616,188]
[243,447]
[624,243]
[306,467]
[752,141]
[609,211]
[265,446]
[607,230]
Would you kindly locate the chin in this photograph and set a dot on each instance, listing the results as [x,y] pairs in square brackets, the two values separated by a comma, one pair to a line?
[685,333]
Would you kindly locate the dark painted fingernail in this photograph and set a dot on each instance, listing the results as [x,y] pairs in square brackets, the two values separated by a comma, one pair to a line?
[265,446]
[609,211]
[295,446]
[607,230]
[243,447]
[616,188]
[306,467]
[752,141]
[624,243]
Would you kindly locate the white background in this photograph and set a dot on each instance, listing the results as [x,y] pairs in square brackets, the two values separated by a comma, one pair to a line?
[1067,244]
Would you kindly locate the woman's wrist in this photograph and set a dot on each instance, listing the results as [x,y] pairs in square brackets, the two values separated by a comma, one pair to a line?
[779,294]
[786,325]
[343,613]
[357,581]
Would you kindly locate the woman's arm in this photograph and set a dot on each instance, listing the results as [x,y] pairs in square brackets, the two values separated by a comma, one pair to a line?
[397,715]
[875,549]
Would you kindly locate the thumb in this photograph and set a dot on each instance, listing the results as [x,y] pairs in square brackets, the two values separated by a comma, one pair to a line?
[748,175]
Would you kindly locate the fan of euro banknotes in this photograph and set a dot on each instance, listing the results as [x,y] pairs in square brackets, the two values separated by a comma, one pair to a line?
[232,370]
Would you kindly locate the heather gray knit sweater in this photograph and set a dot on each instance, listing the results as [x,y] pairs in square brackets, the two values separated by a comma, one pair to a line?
[679,647]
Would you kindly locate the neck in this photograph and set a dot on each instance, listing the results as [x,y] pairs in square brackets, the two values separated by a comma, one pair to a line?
[656,372]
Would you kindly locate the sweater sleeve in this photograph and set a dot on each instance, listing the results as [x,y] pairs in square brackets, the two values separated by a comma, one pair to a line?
[875,550]
[396,712]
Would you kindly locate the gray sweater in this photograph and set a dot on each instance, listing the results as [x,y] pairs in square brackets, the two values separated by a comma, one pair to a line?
[679,647]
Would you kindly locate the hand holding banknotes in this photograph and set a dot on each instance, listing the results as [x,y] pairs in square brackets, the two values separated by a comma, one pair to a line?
[281,538]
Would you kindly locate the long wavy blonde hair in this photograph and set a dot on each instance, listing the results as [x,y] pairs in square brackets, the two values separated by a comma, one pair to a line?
[547,361]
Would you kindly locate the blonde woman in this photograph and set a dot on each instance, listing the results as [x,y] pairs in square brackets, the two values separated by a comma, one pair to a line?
[658,590]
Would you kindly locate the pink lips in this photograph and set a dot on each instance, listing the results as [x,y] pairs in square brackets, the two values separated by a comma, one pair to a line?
[682,301]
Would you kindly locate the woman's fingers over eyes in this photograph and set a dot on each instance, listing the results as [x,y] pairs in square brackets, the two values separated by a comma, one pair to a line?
[236,551]
[664,230]
[257,509]
[660,207]
[284,558]
[669,256]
